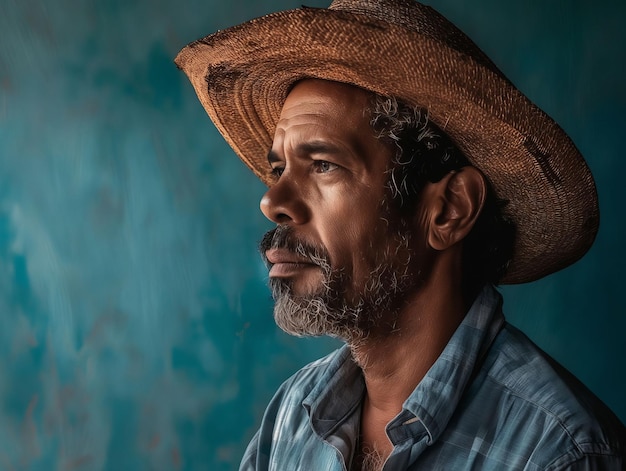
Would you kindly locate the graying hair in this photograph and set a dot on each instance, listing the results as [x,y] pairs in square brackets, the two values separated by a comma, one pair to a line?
[414,136]
[425,153]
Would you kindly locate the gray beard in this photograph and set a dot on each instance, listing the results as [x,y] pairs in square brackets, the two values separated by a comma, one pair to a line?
[338,309]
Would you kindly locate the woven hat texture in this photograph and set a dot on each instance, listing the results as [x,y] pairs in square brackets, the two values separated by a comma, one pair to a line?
[405,49]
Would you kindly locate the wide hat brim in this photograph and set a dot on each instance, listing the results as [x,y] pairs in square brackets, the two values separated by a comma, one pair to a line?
[243,74]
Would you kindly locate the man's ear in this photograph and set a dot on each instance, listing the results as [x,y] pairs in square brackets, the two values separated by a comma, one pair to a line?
[453,205]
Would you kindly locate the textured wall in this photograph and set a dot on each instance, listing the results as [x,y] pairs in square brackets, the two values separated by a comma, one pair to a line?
[135,326]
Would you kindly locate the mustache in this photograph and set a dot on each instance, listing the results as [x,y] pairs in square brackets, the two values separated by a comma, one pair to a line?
[283,237]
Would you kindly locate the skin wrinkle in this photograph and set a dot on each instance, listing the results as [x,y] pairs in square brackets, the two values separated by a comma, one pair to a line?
[329,311]
[335,309]
[368,225]
[425,154]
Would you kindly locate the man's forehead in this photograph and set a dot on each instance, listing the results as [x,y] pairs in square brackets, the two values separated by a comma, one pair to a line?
[329,118]
[324,106]
[329,107]
[326,92]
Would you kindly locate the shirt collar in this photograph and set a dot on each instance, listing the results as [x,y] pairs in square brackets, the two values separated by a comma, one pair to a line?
[337,394]
[340,388]
[436,397]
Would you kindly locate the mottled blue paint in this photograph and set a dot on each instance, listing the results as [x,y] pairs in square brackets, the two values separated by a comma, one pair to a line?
[136,327]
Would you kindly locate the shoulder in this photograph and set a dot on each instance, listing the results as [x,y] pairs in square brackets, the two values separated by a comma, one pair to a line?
[302,387]
[560,420]
[286,417]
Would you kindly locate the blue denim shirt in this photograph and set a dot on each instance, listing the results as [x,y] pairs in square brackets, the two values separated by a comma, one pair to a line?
[492,401]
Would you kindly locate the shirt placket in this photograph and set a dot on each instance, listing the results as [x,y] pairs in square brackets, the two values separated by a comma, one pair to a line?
[410,438]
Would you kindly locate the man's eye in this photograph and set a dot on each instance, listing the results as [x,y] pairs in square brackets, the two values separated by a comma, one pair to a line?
[322,166]
[277,171]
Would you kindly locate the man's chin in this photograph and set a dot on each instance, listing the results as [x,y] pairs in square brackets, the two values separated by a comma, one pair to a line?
[311,316]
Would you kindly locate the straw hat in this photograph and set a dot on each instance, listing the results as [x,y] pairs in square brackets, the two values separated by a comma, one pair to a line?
[404,49]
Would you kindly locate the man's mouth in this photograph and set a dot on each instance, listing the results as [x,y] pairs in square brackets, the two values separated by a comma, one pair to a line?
[285,263]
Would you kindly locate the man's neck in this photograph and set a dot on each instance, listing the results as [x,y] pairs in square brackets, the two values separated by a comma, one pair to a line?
[393,364]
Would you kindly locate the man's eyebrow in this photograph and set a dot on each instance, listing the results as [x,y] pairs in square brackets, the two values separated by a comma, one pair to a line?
[306,148]
[272,157]
[317,147]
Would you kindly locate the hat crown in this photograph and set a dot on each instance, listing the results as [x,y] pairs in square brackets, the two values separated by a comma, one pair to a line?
[420,18]
[402,12]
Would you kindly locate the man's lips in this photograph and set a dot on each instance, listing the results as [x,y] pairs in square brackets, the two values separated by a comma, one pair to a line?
[286,263]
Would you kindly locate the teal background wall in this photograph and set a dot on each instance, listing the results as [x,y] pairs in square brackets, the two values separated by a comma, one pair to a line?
[135,326]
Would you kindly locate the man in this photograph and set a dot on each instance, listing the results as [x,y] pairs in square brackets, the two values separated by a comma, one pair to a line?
[406,176]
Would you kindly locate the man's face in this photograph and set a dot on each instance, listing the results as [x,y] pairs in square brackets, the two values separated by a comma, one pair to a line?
[337,262]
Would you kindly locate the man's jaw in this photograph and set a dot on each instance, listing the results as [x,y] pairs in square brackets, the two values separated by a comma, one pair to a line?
[312,298]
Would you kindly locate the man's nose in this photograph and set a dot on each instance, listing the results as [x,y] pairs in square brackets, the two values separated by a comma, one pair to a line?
[284,203]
